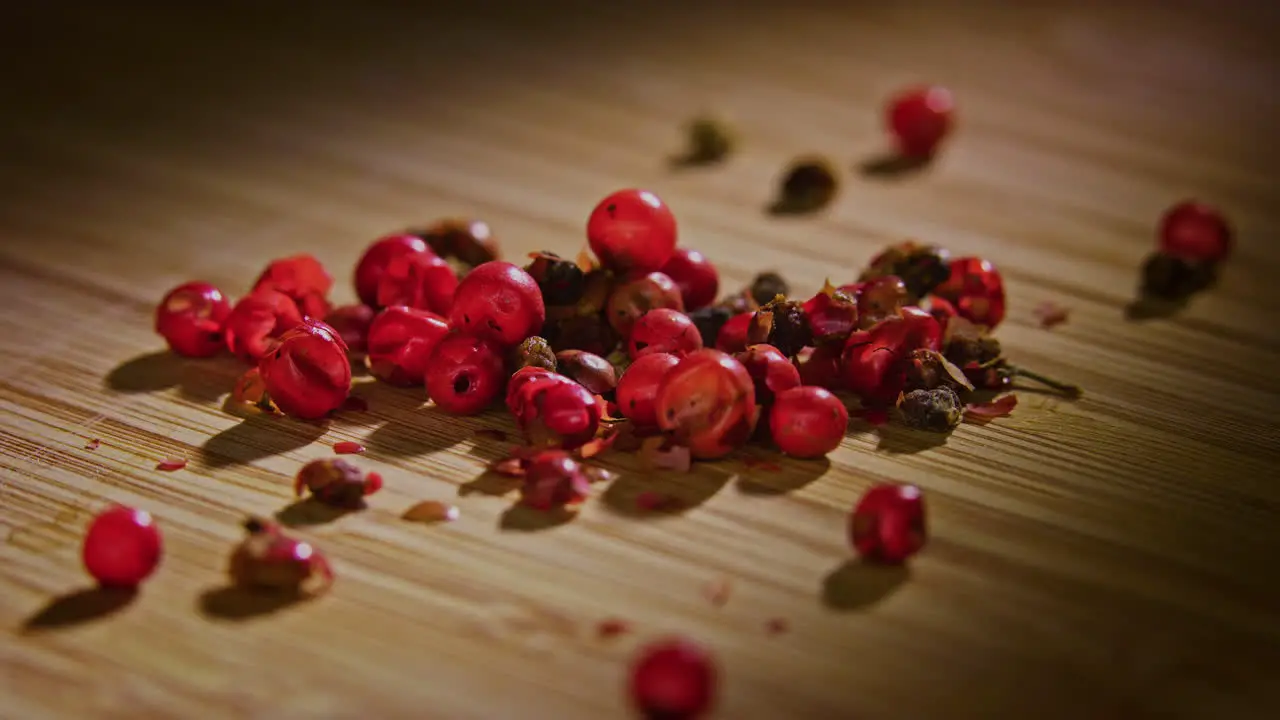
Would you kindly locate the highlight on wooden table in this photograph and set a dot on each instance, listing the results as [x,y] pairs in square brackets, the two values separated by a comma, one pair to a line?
[702,360]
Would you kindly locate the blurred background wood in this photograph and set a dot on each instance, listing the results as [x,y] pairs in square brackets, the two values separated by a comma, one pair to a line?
[1111,557]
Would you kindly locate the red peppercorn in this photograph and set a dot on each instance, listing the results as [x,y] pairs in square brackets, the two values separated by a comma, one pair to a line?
[879,298]
[732,338]
[632,299]
[770,371]
[919,119]
[267,559]
[553,480]
[888,523]
[373,264]
[336,482]
[190,318]
[301,277]
[831,315]
[554,411]
[872,364]
[638,388]
[976,289]
[632,231]
[518,380]
[708,402]
[464,374]
[674,679]
[122,547]
[257,320]
[821,366]
[697,278]
[418,280]
[308,374]
[401,340]
[808,421]
[500,302]
[352,322]
[1195,231]
[941,310]
[666,331]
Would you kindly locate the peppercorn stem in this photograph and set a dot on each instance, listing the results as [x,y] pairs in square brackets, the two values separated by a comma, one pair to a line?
[1066,388]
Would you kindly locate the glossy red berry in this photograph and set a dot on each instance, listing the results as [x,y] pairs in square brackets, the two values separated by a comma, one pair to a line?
[732,337]
[1195,231]
[697,278]
[500,302]
[879,298]
[872,364]
[373,264]
[352,322]
[553,480]
[122,547]
[418,280]
[518,380]
[307,375]
[976,289]
[632,231]
[257,320]
[666,331]
[401,341]
[821,366]
[267,559]
[919,119]
[888,523]
[770,370]
[941,310]
[808,421]
[190,318]
[674,679]
[554,411]
[831,315]
[708,403]
[303,278]
[464,374]
[633,298]
[638,388]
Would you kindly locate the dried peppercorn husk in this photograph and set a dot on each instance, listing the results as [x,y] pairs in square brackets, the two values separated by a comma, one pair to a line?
[927,369]
[533,351]
[965,343]
[470,242]
[832,314]
[809,184]
[938,410]
[710,140]
[783,324]
[922,267]
[561,281]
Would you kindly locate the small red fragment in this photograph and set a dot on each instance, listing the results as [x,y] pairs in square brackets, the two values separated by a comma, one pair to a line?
[93,444]
[1000,407]
[1050,313]
[777,626]
[718,592]
[657,453]
[171,464]
[432,511]
[348,447]
[491,434]
[612,627]
[372,483]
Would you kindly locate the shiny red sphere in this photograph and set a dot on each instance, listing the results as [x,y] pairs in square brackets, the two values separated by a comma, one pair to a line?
[418,280]
[308,374]
[770,370]
[500,302]
[373,263]
[303,278]
[352,322]
[122,547]
[697,278]
[553,411]
[666,331]
[633,298]
[632,231]
[190,318]
[808,421]
[674,679]
[401,341]
[708,403]
[638,388]
[465,374]
[518,380]
[919,120]
[888,523]
[1195,231]
[257,320]
[976,290]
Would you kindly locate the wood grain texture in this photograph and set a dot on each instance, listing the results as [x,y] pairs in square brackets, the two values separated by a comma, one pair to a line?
[1106,558]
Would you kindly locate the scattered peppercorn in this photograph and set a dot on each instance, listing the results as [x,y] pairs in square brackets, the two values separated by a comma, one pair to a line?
[533,352]
[787,326]
[938,409]
[921,267]
[335,482]
[809,184]
[709,141]
[929,369]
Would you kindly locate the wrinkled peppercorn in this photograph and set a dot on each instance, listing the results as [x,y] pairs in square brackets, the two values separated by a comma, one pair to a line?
[709,320]
[768,285]
[783,324]
[938,409]
[809,184]
[921,267]
[561,281]
[926,370]
[533,352]
[1173,278]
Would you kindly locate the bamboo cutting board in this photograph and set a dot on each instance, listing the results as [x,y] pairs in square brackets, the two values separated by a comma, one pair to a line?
[1104,558]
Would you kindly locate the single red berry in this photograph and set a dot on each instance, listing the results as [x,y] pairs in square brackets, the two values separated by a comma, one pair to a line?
[632,231]
[1195,231]
[919,119]
[732,337]
[697,278]
[553,480]
[401,340]
[373,264]
[518,380]
[808,421]
[352,322]
[190,318]
[257,320]
[821,366]
[500,302]
[122,547]
[638,388]
[554,411]
[632,299]
[303,278]
[418,280]
[888,523]
[666,331]
[976,289]
[464,374]
[674,679]
[708,403]
[336,482]
[873,361]
[307,375]
[267,559]
[770,370]
[879,298]
[831,315]
[941,310]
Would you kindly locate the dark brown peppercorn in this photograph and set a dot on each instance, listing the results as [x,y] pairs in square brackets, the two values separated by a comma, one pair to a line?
[589,370]
[963,349]
[561,281]
[788,328]
[809,184]
[1173,278]
[591,333]
[926,370]
[710,141]
[921,267]
[768,285]
[938,409]
[334,482]
[533,352]
[468,241]
[709,320]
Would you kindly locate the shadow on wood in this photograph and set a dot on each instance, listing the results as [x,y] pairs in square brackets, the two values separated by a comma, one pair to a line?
[1152,308]
[80,607]
[200,379]
[785,475]
[236,603]
[858,584]
[421,432]
[523,518]
[489,483]
[900,440]
[664,493]
[310,511]
[257,437]
[892,166]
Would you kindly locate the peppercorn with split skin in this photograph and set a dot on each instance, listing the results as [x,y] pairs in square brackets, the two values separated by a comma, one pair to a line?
[782,324]
[533,352]
[938,410]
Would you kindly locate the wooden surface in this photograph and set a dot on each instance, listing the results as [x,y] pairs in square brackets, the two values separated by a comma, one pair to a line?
[1113,557]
